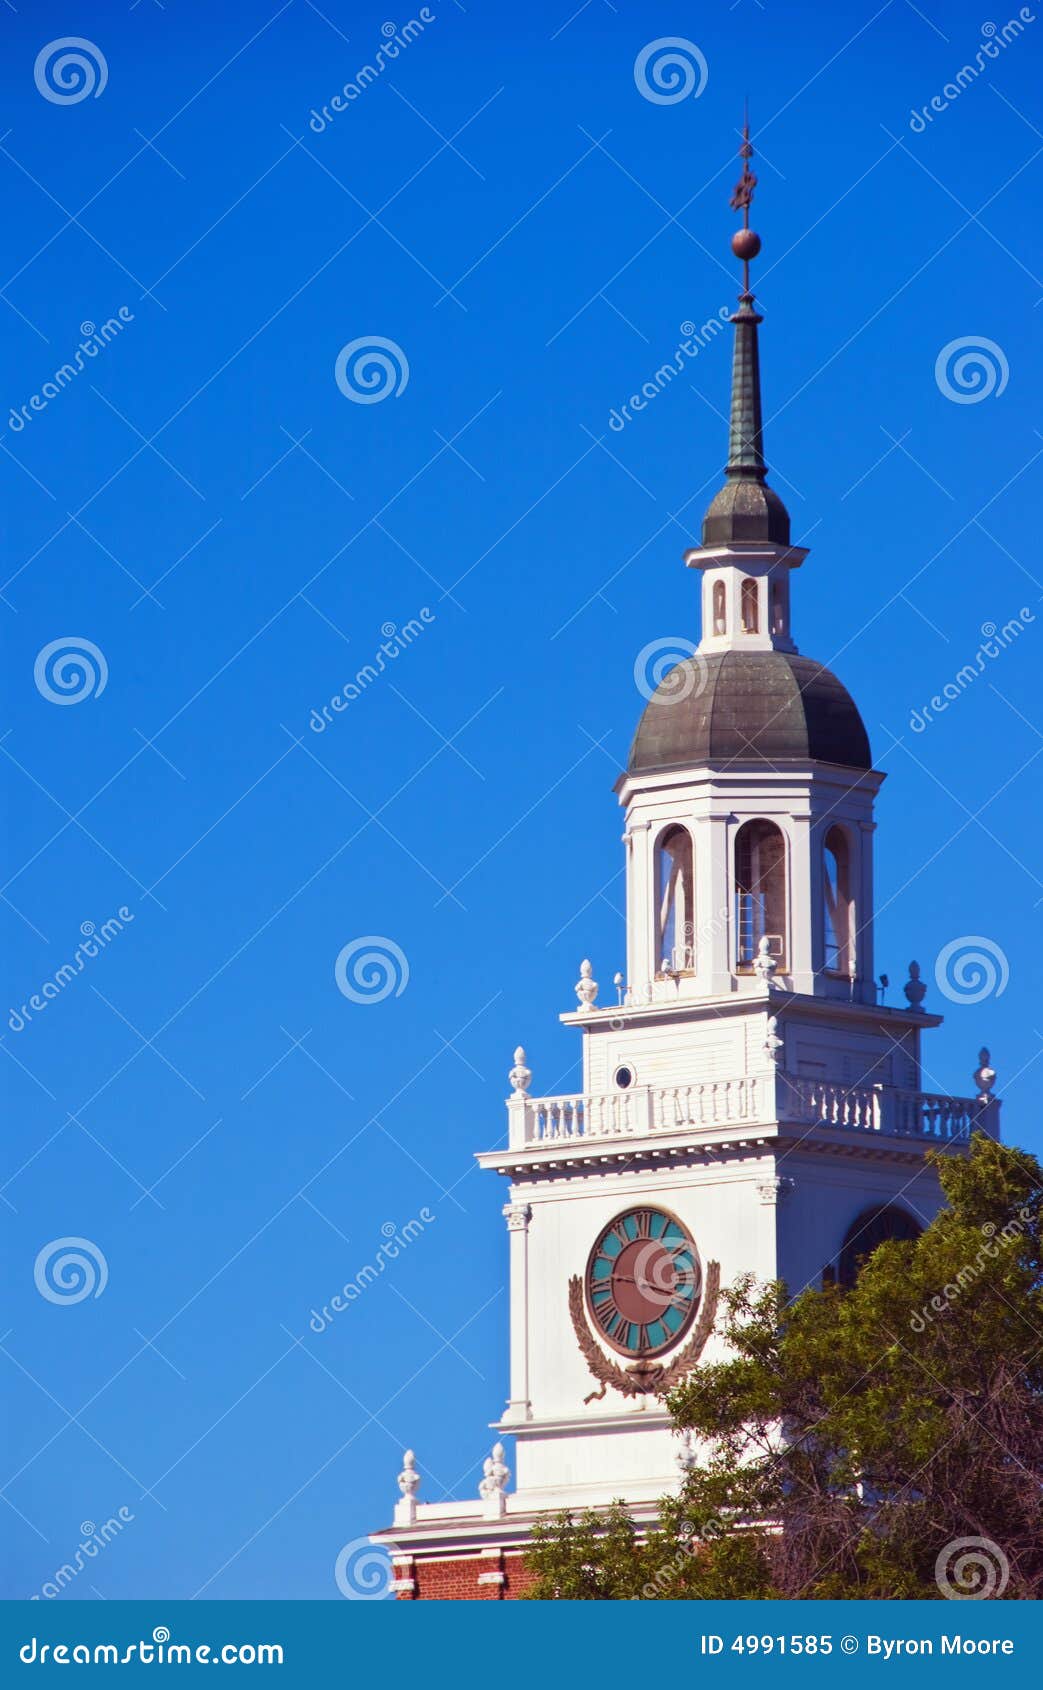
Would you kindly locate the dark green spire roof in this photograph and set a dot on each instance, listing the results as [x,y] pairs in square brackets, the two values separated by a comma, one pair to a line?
[746,508]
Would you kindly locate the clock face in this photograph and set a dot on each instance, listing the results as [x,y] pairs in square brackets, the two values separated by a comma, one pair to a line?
[642,1282]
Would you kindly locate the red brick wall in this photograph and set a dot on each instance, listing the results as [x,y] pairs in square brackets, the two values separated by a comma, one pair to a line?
[457,1580]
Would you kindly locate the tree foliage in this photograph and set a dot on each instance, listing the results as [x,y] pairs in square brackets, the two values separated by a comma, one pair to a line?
[852,1442]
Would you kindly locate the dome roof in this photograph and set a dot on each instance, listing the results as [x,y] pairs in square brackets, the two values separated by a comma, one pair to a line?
[746,510]
[761,706]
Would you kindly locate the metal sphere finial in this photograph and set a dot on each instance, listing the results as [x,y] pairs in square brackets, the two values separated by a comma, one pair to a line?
[746,243]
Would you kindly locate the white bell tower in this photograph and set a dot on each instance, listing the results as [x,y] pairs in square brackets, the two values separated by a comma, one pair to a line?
[750,1104]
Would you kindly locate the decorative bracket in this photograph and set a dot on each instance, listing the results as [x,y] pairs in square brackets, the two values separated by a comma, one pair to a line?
[642,1378]
[774,1190]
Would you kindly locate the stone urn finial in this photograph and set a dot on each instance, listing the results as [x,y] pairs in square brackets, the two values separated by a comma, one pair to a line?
[915,990]
[586,987]
[496,1473]
[984,1075]
[764,964]
[520,1076]
[773,1040]
[409,1478]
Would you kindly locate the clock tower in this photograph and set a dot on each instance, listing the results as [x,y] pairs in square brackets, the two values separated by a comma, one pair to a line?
[749,1104]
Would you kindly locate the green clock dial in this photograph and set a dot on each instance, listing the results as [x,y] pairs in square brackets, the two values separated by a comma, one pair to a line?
[642,1282]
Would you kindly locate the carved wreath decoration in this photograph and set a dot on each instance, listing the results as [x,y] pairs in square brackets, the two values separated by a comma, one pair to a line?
[642,1377]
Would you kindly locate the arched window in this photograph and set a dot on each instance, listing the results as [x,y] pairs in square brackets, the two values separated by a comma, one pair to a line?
[873,1227]
[720,616]
[760,892]
[778,608]
[748,604]
[838,902]
[675,901]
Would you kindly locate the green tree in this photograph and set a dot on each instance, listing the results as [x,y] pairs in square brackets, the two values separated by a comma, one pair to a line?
[853,1441]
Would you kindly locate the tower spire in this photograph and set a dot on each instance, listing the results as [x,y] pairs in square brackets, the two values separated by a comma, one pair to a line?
[745,508]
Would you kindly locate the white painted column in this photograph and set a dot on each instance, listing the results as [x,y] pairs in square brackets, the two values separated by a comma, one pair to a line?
[864,913]
[629,865]
[641,964]
[716,834]
[772,1189]
[801,917]
[518,1216]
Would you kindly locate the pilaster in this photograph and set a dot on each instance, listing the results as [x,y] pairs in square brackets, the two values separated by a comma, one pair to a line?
[518,1216]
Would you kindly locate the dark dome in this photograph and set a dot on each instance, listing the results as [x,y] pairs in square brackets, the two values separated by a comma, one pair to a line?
[746,510]
[768,706]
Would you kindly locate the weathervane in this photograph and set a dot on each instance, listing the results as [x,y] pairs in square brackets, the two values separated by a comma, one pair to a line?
[746,243]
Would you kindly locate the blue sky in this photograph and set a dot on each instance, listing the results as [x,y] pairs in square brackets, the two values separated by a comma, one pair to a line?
[232,533]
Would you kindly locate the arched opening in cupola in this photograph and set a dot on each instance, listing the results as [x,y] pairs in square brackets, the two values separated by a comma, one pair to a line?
[838,899]
[778,608]
[720,612]
[748,606]
[760,893]
[675,902]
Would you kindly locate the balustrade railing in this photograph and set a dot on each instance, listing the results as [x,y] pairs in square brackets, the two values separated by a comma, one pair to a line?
[831,1104]
[752,1100]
